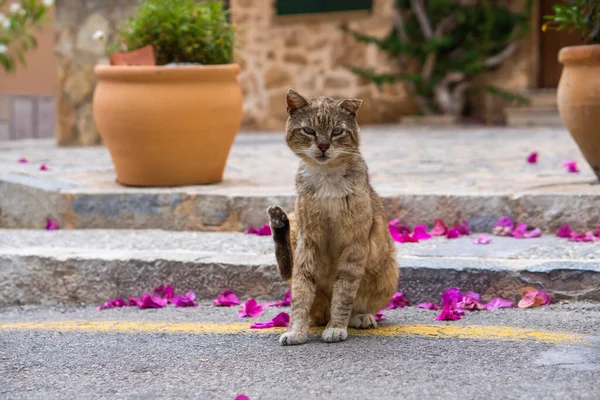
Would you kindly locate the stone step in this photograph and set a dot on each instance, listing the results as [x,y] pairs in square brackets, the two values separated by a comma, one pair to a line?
[542,97]
[533,116]
[476,174]
[72,267]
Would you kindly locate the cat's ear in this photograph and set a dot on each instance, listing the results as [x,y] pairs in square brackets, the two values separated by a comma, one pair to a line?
[351,105]
[294,101]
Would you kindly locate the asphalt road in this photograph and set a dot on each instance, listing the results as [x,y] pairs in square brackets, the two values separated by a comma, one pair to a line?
[204,353]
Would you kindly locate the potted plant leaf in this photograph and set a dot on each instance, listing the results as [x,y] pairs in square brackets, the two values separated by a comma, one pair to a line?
[579,86]
[169,106]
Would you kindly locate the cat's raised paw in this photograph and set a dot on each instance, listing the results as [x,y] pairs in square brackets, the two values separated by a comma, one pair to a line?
[362,321]
[333,335]
[292,338]
[277,217]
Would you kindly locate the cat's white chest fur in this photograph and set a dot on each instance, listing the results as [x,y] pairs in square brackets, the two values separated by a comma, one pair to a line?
[327,183]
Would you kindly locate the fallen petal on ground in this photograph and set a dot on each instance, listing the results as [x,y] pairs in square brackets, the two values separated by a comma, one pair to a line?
[164,292]
[250,309]
[571,166]
[226,299]
[439,228]
[286,302]
[51,224]
[379,315]
[22,160]
[483,239]
[44,167]
[186,300]
[532,158]
[564,231]
[429,306]
[398,301]
[532,297]
[499,303]
[503,227]
[452,233]
[149,301]
[281,320]
[421,232]
[112,304]
[264,230]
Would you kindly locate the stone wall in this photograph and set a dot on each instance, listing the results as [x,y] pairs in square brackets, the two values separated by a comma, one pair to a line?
[76,55]
[307,54]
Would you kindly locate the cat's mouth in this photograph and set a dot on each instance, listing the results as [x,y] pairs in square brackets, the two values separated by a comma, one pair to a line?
[322,159]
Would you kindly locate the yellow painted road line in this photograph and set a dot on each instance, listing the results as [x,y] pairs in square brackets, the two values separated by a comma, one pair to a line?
[440,331]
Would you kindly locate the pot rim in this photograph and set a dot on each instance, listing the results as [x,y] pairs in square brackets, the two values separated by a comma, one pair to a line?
[588,53]
[217,72]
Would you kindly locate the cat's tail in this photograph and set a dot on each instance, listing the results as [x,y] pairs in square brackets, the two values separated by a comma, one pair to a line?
[283,227]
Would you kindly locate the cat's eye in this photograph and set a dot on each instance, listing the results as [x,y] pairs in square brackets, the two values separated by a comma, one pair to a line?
[309,131]
[337,132]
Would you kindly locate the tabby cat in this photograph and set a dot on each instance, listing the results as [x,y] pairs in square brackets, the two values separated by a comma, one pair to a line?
[335,249]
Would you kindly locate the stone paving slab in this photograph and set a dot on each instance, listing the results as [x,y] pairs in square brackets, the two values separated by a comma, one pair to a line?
[477,174]
[81,266]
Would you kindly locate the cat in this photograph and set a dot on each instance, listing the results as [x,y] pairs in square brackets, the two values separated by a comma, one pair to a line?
[335,249]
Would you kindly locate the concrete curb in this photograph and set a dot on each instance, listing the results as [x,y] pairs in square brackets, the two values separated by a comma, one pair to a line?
[63,273]
[26,203]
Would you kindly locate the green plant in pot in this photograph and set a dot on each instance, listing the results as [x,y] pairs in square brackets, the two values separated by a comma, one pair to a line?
[169,106]
[578,92]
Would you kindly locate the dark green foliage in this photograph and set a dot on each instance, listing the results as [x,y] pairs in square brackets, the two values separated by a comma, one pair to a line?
[16,31]
[577,15]
[181,31]
[441,54]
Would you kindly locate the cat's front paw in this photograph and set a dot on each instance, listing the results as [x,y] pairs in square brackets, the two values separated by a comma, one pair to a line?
[277,217]
[292,337]
[363,321]
[333,335]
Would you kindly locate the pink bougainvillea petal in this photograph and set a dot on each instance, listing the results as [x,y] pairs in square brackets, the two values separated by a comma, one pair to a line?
[583,237]
[537,232]
[164,292]
[286,302]
[528,297]
[400,235]
[597,231]
[401,228]
[503,227]
[44,167]
[51,224]
[451,310]
[226,299]
[542,298]
[521,232]
[398,301]
[499,303]
[149,301]
[134,301]
[379,315]
[22,160]
[571,166]
[564,231]
[463,228]
[439,228]
[264,230]
[281,320]
[421,232]
[429,306]
[483,239]
[532,158]
[242,397]
[186,300]
[112,304]
[470,301]
[452,233]
[250,309]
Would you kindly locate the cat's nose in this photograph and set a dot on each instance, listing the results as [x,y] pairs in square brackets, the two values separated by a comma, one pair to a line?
[323,147]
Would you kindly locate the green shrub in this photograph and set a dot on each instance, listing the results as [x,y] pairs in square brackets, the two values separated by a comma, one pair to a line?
[180,31]
[577,15]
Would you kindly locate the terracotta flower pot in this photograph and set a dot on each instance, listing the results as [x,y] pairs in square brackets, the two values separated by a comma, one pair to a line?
[579,99]
[168,126]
